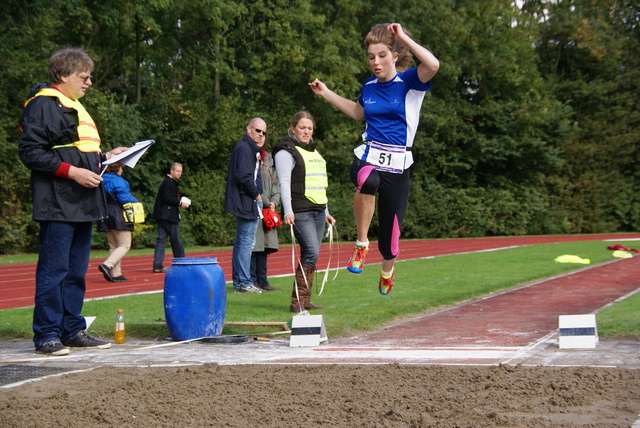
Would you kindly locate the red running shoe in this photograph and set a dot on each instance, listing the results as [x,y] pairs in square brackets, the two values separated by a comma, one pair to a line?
[386,284]
[356,263]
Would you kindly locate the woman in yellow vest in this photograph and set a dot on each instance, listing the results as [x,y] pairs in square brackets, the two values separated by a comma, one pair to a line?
[303,192]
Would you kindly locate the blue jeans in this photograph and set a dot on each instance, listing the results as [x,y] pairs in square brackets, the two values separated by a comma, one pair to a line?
[60,283]
[242,246]
[166,228]
[308,230]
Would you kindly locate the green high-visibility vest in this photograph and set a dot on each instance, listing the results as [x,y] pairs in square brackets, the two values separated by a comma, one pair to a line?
[315,179]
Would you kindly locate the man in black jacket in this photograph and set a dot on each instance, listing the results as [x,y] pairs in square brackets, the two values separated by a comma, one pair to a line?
[243,199]
[61,146]
[165,213]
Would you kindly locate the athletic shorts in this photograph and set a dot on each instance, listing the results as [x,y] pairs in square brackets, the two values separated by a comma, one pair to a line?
[393,197]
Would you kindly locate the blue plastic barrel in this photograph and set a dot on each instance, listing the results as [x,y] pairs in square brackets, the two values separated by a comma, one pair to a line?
[195,298]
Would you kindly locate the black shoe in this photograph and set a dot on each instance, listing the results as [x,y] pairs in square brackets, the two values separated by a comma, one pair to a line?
[52,347]
[268,287]
[161,270]
[120,279]
[82,340]
[106,272]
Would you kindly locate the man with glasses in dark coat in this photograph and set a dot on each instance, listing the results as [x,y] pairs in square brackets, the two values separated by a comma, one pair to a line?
[243,200]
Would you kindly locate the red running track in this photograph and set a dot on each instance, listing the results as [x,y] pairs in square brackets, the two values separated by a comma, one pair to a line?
[517,317]
[17,282]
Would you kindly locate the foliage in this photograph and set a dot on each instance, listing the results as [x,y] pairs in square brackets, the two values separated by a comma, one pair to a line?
[589,54]
[531,125]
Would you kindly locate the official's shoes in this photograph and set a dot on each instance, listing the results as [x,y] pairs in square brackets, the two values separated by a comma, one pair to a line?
[356,263]
[120,278]
[386,284]
[106,272]
[52,347]
[249,289]
[82,340]
[161,270]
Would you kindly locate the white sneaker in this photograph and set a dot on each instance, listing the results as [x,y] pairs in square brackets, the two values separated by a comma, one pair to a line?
[249,289]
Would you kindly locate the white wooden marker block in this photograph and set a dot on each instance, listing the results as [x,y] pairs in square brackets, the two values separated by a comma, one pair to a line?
[577,331]
[307,330]
[89,321]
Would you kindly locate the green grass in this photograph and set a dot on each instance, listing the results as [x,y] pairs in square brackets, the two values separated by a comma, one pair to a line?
[352,303]
[621,319]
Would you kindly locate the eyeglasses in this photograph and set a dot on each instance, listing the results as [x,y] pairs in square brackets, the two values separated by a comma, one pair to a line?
[85,78]
[259,131]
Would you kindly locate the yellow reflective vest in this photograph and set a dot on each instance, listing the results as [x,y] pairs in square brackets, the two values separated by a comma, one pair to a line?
[315,180]
[88,138]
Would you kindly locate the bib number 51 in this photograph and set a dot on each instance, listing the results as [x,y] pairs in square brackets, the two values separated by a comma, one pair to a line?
[385,159]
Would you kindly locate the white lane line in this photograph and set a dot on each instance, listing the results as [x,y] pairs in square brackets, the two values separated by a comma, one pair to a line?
[35,379]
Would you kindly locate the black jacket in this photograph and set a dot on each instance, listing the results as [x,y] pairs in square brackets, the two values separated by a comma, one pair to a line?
[47,123]
[167,201]
[244,181]
[115,221]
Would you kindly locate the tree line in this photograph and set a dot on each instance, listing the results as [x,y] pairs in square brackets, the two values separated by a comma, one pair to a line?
[532,125]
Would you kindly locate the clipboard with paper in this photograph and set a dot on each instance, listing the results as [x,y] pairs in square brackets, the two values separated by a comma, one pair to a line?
[129,157]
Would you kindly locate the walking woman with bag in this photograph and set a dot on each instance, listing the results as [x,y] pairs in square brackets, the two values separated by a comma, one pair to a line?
[118,232]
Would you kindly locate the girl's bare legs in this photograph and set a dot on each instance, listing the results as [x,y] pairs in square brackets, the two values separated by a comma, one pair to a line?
[363,208]
[387,265]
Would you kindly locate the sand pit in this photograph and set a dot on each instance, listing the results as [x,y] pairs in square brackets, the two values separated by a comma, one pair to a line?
[328,395]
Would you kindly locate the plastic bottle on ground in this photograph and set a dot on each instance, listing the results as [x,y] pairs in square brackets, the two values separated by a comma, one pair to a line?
[119,328]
